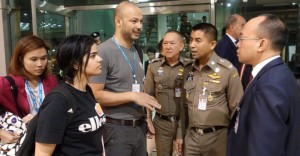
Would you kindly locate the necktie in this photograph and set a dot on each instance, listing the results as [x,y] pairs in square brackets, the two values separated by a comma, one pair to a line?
[236,42]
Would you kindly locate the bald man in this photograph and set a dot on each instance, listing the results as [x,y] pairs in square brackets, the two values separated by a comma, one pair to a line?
[226,47]
[266,122]
[119,87]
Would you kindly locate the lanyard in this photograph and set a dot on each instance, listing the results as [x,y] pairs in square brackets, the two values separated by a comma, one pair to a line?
[127,60]
[32,99]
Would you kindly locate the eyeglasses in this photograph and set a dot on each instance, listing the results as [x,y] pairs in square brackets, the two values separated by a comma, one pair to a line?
[245,38]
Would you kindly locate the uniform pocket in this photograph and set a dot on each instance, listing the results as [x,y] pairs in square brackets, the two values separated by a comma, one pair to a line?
[160,83]
[189,91]
[214,92]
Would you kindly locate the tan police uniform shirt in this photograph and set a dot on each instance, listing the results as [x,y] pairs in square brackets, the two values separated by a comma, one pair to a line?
[218,82]
[160,81]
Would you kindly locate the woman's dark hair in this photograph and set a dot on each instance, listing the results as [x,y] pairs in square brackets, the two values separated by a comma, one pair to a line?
[25,45]
[70,53]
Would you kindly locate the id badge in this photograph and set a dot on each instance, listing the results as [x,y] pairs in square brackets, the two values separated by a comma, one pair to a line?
[177,92]
[202,102]
[136,87]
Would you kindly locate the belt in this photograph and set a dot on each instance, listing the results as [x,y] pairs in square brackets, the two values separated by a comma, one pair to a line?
[170,118]
[207,130]
[132,123]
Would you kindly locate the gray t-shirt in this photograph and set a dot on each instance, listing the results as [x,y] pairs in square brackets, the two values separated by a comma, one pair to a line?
[118,77]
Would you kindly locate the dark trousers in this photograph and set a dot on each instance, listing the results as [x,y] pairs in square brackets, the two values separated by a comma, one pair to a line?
[125,140]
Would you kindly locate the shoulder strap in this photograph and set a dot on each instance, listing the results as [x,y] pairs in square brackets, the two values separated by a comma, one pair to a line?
[14,91]
[140,52]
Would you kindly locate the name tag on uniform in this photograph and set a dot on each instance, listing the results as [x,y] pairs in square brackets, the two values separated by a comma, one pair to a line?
[202,102]
[136,87]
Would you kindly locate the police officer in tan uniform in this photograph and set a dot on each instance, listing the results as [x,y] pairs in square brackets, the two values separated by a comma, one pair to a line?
[164,82]
[212,90]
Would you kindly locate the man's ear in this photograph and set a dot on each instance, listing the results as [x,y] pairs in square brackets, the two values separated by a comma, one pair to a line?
[263,45]
[213,45]
[181,46]
[118,20]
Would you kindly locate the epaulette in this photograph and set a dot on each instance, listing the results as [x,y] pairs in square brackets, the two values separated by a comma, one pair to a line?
[227,64]
[157,60]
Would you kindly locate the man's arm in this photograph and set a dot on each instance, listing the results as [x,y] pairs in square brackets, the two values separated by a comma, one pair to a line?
[149,87]
[183,120]
[234,92]
[107,98]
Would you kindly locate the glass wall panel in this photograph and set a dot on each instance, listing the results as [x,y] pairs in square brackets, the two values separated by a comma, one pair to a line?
[101,21]
[51,27]
[20,20]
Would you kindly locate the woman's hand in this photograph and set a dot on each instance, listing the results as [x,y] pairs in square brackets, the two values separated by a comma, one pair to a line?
[8,137]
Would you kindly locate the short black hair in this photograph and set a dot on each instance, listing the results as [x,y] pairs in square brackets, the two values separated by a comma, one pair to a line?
[209,30]
[180,37]
[150,50]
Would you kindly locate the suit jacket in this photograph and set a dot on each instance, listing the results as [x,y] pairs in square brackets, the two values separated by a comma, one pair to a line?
[7,100]
[269,115]
[227,50]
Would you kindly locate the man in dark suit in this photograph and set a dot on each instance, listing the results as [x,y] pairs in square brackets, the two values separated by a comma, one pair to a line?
[226,47]
[267,121]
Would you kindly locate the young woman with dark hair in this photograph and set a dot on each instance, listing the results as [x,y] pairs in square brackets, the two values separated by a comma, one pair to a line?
[56,135]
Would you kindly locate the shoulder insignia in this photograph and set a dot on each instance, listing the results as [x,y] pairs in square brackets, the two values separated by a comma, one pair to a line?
[235,74]
[156,60]
[226,64]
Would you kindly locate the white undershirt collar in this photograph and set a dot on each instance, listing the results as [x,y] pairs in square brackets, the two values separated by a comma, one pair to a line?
[260,65]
